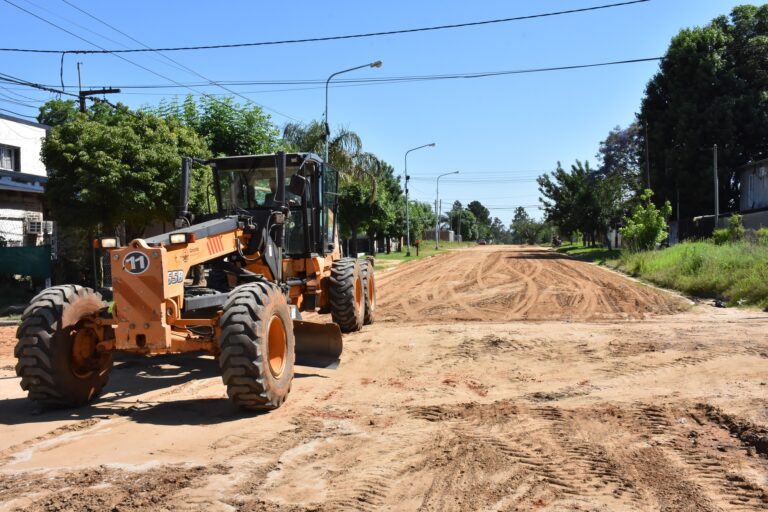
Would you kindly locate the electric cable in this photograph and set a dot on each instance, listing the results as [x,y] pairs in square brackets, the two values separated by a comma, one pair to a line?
[169,59]
[130,61]
[336,38]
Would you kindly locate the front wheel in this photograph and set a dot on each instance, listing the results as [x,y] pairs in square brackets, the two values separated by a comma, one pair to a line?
[257,346]
[58,360]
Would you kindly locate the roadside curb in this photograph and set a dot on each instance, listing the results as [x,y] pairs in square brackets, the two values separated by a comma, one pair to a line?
[6,323]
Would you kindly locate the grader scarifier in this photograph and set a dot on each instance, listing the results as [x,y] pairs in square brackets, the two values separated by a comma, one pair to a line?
[270,253]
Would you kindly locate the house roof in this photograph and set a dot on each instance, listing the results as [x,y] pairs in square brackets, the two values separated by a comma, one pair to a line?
[22,182]
[24,121]
[750,165]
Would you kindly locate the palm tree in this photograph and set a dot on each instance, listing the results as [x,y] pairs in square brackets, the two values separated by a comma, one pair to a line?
[345,152]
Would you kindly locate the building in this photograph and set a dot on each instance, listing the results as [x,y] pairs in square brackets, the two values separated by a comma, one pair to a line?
[753,188]
[22,177]
[446,235]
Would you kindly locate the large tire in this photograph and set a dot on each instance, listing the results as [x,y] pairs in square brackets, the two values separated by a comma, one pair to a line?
[57,358]
[257,346]
[346,294]
[369,291]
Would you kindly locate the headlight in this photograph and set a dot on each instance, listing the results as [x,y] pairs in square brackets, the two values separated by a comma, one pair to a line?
[182,238]
[109,243]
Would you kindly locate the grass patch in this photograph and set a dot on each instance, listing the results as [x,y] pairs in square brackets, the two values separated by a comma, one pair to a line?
[426,250]
[601,255]
[735,272]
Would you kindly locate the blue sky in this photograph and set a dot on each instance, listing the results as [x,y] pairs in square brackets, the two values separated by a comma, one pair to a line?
[498,132]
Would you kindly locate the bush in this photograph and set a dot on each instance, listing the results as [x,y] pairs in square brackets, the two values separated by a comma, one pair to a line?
[731,234]
[647,226]
[762,236]
[735,228]
[721,236]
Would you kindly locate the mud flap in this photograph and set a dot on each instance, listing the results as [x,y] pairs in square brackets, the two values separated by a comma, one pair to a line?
[317,345]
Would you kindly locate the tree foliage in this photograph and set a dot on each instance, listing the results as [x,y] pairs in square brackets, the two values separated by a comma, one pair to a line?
[619,159]
[110,166]
[229,127]
[524,229]
[647,226]
[710,89]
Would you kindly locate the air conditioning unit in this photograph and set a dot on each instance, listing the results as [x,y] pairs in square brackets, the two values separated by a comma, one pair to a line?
[33,227]
[761,172]
[48,227]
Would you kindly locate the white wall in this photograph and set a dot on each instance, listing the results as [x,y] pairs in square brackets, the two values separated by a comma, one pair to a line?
[28,138]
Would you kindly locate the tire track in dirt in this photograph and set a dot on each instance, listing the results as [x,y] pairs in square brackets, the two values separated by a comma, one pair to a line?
[629,457]
[505,283]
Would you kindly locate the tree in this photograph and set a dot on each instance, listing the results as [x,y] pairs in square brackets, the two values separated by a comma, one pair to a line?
[113,166]
[710,89]
[571,200]
[483,217]
[368,189]
[619,158]
[647,226]
[422,219]
[523,228]
[229,127]
[463,222]
[499,232]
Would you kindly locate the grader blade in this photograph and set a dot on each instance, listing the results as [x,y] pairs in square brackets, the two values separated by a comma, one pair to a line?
[317,344]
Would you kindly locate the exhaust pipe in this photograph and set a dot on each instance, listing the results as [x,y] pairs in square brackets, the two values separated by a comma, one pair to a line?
[182,209]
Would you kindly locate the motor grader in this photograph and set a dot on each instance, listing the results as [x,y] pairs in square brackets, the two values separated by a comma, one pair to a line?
[269,253]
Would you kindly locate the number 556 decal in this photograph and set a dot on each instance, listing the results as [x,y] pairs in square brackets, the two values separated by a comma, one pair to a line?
[175,276]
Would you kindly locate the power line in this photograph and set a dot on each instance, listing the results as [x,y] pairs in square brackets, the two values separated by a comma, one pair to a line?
[18,81]
[10,99]
[128,60]
[23,96]
[17,114]
[169,59]
[336,38]
[414,78]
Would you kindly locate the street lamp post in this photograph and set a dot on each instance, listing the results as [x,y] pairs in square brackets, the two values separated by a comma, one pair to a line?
[407,216]
[437,212]
[376,64]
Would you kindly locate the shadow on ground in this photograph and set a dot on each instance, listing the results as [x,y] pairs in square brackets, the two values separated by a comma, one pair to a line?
[134,376]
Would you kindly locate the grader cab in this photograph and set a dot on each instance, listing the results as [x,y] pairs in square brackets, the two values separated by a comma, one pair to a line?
[270,253]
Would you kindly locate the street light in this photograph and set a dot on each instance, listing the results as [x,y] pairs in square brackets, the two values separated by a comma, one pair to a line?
[407,216]
[437,213]
[376,64]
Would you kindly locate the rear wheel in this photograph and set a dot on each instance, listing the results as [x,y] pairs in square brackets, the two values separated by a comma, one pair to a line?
[369,291]
[58,362]
[346,294]
[257,346]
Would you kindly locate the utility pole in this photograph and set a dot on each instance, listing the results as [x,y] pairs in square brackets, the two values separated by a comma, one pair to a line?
[407,215]
[93,92]
[717,191]
[437,208]
[83,94]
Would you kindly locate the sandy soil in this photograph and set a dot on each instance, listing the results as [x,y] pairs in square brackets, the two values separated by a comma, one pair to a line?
[495,378]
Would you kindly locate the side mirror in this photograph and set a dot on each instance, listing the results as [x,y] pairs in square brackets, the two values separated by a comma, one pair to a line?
[297,185]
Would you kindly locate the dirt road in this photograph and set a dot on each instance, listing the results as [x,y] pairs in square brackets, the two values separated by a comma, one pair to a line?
[495,378]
